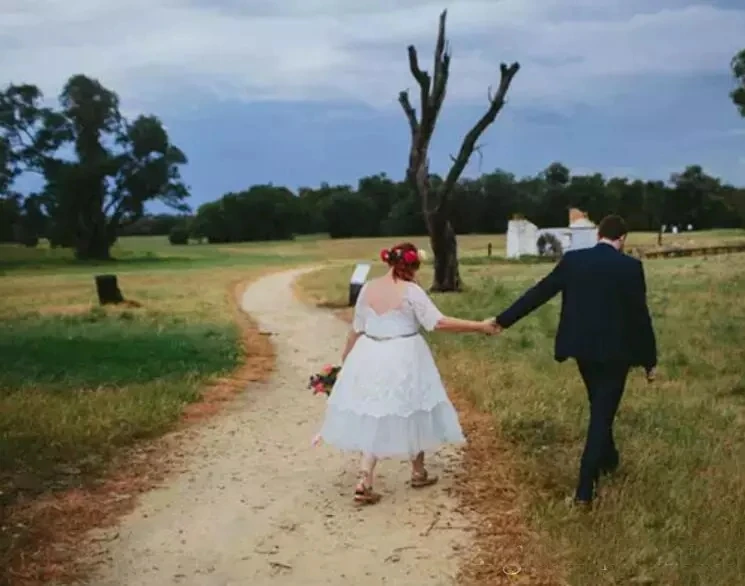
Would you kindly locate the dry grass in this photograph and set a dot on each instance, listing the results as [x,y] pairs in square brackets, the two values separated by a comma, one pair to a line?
[48,505]
[57,523]
[666,519]
[675,513]
[508,552]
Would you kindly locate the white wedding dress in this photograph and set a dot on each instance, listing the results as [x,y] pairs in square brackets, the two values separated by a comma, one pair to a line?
[389,399]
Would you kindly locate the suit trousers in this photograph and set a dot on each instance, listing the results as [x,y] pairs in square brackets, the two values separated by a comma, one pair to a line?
[605,384]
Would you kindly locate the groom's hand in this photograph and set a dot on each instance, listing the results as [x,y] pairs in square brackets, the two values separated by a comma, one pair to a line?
[651,374]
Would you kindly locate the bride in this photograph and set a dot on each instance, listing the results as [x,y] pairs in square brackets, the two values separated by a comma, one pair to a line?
[388,399]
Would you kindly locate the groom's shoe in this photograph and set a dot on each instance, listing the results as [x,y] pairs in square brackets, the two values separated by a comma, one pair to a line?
[610,465]
[585,494]
[579,504]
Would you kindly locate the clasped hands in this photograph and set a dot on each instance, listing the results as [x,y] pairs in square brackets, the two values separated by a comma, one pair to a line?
[491,327]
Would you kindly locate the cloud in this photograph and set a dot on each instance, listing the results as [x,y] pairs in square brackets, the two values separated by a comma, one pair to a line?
[186,51]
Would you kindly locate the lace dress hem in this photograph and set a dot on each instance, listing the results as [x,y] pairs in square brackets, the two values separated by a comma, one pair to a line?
[392,435]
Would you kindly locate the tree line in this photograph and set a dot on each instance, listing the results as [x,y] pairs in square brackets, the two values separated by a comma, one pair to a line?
[381,206]
[100,171]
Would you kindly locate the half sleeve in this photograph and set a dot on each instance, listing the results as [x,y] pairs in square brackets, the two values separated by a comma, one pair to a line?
[425,310]
[358,322]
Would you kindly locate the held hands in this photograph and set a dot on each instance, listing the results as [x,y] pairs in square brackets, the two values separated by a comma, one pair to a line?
[490,327]
[651,375]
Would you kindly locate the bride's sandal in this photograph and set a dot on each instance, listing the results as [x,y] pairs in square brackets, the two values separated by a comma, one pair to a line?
[422,478]
[364,494]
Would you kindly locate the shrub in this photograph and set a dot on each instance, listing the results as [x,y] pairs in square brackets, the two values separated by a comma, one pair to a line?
[179,235]
[549,245]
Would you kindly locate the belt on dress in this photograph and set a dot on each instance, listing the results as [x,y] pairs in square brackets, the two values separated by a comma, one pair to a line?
[379,339]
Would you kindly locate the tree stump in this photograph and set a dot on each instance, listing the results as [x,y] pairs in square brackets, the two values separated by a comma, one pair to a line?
[108,290]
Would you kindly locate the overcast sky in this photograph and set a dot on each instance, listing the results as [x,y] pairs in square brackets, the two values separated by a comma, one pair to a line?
[296,92]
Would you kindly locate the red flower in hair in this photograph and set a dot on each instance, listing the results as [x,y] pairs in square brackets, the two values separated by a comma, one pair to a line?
[410,257]
[385,254]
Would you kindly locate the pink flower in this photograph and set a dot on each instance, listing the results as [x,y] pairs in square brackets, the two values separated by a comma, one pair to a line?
[410,257]
[327,369]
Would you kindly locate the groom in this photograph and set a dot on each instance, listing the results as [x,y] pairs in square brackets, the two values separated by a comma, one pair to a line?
[606,327]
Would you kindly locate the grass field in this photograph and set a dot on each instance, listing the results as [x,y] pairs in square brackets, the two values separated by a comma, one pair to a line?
[675,514]
[79,382]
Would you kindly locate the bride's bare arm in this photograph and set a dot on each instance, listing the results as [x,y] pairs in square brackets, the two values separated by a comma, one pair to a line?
[453,324]
[352,338]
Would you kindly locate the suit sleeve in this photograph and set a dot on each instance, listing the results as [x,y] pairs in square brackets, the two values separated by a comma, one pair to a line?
[541,293]
[646,339]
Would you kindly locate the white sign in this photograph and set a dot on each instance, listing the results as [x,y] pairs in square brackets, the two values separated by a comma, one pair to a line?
[359,276]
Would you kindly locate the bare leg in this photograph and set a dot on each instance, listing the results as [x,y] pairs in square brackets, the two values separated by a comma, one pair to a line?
[364,493]
[417,463]
[419,475]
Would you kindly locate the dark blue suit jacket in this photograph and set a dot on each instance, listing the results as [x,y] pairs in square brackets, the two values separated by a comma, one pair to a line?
[604,313]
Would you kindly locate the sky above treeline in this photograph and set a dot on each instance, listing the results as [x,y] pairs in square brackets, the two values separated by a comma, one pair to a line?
[304,91]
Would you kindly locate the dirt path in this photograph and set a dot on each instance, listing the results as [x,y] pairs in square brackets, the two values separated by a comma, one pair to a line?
[259,505]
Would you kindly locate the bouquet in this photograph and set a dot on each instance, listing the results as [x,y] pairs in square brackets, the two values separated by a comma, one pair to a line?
[324,380]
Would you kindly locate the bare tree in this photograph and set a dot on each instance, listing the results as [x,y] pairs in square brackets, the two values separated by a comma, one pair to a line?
[437,203]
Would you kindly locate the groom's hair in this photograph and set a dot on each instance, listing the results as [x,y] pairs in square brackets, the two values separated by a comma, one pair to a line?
[612,228]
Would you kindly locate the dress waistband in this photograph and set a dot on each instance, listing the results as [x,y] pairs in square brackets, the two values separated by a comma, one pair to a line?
[379,339]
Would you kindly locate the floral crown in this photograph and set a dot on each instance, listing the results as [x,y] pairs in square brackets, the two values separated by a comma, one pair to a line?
[396,256]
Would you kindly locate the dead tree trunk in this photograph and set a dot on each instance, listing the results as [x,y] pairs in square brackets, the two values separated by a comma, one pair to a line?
[437,204]
[445,252]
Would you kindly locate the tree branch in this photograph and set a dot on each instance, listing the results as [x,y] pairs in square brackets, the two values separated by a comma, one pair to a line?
[403,99]
[442,68]
[422,77]
[507,73]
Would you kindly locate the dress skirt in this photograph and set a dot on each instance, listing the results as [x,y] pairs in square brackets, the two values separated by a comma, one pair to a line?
[389,401]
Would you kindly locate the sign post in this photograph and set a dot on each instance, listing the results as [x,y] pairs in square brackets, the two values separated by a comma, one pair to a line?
[356,281]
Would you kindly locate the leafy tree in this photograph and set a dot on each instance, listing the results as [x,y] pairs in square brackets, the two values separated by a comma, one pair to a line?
[693,197]
[179,235]
[437,202]
[116,167]
[588,193]
[480,205]
[734,199]
[738,71]
[261,213]
[155,225]
[10,215]
[350,214]
[555,181]
[405,219]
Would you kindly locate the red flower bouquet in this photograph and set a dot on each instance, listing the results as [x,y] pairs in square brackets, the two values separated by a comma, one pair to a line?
[323,382]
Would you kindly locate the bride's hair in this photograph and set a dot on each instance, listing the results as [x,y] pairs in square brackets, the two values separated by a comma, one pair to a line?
[403,259]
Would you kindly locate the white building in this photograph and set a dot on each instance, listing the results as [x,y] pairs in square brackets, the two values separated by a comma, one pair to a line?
[523,235]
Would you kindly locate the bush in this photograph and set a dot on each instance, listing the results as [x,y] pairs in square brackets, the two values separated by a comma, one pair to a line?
[549,245]
[178,235]
[25,236]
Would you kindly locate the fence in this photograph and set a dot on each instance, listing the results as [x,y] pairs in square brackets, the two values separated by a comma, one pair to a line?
[698,251]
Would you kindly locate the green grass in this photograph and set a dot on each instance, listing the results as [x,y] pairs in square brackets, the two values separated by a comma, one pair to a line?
[74,388]
[78,383]
[98,349]
[675,514]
